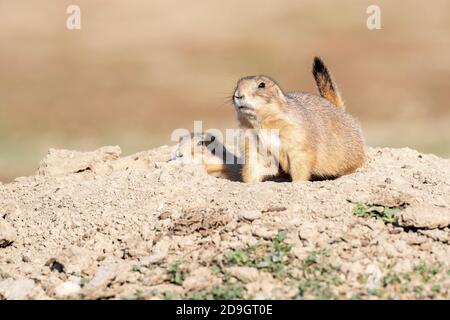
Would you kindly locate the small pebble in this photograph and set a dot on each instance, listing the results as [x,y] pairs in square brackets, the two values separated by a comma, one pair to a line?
[250,215]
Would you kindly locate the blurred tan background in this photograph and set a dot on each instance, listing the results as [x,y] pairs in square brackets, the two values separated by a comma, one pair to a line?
[139,69]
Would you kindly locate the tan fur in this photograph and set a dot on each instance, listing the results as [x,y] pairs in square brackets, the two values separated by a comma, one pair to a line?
[196,145]
[327,86]
[263,167]
[317,140]
[216,165]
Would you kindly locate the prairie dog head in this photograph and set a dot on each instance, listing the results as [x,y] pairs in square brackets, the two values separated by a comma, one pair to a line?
[256,94]
[195,148]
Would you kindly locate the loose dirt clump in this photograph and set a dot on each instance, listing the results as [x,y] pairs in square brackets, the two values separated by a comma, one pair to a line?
[94,225]
[204,221]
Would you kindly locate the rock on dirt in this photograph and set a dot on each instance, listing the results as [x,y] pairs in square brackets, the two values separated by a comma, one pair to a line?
[250,215]
[200,279]
[7,233]
[425,217]
[66,289]
[104,275]
[60,162]
[16,289]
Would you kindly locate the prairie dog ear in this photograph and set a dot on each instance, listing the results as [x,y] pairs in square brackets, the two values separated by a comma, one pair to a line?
[207,139]
[184,138]
[279,91]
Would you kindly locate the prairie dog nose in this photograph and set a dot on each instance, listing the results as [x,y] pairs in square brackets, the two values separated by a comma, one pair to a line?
[238,95]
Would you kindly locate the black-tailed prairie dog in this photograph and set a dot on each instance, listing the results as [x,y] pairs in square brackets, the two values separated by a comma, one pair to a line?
[316,138]
[202,148]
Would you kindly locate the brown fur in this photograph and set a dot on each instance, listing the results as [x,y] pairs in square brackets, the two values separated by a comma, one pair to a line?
[199,147]
[316,139]
[327,87]
[216,165]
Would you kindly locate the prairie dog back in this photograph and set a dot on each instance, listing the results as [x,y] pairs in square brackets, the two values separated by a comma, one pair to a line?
[334,136]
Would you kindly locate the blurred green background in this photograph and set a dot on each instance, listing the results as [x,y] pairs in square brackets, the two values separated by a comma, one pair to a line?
[139,69]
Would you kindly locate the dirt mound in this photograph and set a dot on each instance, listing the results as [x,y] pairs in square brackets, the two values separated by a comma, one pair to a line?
[97,225]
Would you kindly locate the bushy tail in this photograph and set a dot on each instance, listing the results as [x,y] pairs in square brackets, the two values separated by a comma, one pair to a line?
[327,87]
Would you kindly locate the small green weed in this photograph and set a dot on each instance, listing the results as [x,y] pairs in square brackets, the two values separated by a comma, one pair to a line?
[384,213]
[177,275]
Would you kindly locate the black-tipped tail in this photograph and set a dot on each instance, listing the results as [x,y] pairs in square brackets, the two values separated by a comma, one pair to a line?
[325,83]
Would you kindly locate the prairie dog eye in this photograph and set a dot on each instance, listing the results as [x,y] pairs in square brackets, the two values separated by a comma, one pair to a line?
[261,85]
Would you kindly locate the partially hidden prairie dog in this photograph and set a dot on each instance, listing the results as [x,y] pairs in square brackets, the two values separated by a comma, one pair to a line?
[202,148]
[316,139]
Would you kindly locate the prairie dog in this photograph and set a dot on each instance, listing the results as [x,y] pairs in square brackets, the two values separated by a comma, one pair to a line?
[316,138]
[202,148]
